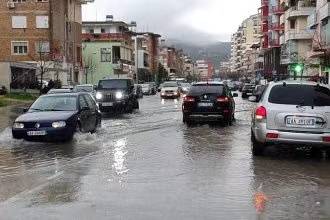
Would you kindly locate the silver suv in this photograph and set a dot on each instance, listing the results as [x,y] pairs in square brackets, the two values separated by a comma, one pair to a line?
[292,112]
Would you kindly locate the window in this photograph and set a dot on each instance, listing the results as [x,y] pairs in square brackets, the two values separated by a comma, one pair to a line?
[306,95]
[90,102]
[42,0]
[292,24]
[102,30]
[18,1]
[82,102]
[105,54]
[42,47]
[42,21]
[18,22]
[19,47]
[198,90]
[91,31]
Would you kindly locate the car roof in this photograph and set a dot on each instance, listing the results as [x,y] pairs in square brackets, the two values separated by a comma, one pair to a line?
[209,83]
[301,82]
[75,94]
[85,85]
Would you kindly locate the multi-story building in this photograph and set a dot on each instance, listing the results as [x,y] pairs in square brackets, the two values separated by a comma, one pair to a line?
[107,50]
[297,39]
[247,35]
[40,39]
[319,23]
[205,69]
[148,55]
[272,28]
[173,61]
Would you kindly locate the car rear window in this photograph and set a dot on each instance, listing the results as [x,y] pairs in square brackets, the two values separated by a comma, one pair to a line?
[305,95]
[197,90]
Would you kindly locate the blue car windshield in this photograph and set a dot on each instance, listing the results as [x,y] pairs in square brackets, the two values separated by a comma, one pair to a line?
[55,103]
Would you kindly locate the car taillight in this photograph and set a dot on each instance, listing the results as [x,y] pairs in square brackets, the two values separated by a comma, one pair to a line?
[272,135]
[326,139]
[188,99]
[222,99]
[261,113]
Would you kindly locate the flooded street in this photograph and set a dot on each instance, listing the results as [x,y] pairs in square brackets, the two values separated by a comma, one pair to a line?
[149,165]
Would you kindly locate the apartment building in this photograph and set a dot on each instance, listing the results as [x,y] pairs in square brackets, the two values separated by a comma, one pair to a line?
[319,24]
[173,61]
[40,38]
[108,50]
[205,69]
[248,33]
[272,29]
[298,37]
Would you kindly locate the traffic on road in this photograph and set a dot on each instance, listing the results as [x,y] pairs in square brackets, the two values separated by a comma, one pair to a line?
[194,151]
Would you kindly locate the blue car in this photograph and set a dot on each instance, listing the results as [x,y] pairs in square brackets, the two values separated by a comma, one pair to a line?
[57,117]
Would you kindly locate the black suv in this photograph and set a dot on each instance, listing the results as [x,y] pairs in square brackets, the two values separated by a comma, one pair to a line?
[116,95]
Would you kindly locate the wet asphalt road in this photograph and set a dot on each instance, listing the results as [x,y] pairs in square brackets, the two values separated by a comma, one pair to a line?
[149,165]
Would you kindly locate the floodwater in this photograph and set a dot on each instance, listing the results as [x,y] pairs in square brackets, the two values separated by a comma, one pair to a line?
[149,165]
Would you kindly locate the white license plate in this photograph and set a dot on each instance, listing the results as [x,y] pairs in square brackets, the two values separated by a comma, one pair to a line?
[205,104]
[107,104]
[248,93]
[36,133]
[293,121]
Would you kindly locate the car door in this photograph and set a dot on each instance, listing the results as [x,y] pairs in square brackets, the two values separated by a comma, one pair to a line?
[92,117]
[84,114]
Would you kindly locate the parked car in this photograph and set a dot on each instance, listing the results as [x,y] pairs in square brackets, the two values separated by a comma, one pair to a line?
[86,88]
[3,90]
[209,101]
[116,95]
[57,91]
[153,87]
[293,113]
[58,117]
[247,90]
[138,91]
[185,87]
[258,91]
[170,89]
[147,89]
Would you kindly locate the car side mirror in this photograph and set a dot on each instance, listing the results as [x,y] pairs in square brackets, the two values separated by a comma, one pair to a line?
[235,94]
[253,99]
[25,110]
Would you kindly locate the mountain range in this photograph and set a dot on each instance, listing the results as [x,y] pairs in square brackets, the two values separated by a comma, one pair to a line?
[216,52]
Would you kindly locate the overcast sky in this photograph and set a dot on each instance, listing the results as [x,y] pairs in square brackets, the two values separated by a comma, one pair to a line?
[189,20]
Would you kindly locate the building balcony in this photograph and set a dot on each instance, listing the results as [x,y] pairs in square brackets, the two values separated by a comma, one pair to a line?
[264,28]
[277,27]
[324,11]
[274,43]
[299,11]
[298,35]
[264,3]
[105,37]
[312,21]
[278,10]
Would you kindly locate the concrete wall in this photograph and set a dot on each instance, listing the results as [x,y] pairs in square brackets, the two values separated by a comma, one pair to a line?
[5,74]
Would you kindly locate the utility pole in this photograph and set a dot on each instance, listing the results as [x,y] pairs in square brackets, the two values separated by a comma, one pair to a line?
[136,59]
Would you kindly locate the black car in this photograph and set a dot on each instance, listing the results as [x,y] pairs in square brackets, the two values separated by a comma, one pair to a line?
[3,90]
[209,101]
[116,95]
[247,90]
[57,117]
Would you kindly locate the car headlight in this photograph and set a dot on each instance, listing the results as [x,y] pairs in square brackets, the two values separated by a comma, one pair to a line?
[59,124]
[18,125]
[98,95]
[119,95]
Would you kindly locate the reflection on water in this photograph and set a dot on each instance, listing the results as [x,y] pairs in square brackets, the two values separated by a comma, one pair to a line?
[119,154]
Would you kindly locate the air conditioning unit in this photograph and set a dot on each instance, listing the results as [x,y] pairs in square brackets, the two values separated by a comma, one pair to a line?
[11,5]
